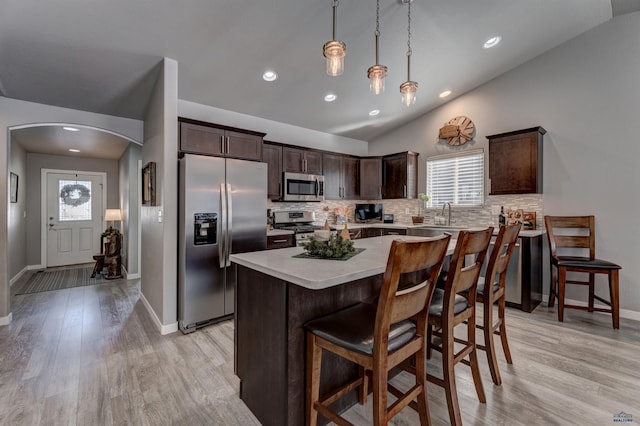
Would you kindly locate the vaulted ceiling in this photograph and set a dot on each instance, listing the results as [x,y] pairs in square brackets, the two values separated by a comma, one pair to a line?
[101,56]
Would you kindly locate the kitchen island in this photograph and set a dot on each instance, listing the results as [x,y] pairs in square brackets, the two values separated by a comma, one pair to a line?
[276,294]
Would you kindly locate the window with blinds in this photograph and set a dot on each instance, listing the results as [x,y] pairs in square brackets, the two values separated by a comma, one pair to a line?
[457,179]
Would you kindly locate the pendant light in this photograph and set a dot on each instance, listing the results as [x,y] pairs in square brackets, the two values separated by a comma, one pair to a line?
[335,50]
[409,88]
[378,72]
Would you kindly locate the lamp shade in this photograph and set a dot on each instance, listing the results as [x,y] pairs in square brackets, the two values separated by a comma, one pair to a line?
[112,214]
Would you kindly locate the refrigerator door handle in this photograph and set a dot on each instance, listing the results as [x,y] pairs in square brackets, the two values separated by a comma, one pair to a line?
[222,255]
[229,225]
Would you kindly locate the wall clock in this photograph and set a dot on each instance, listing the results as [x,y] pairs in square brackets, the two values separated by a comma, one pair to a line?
[457,131]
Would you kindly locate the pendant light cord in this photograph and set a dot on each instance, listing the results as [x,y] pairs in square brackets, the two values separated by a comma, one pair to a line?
[335,17]
[409,42]
[377,33]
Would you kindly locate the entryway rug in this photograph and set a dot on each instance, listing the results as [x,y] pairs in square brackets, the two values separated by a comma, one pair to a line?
[59,279]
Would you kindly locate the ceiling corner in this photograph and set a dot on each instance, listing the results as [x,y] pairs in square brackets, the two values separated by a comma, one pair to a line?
[621,7]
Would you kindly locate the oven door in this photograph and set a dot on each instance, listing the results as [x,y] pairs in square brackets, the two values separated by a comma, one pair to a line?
[303,187]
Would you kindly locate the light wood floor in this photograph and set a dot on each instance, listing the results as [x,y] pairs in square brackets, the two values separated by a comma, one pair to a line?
[91,356]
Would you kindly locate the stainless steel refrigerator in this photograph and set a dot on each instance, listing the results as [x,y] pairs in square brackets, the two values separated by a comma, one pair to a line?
[223,204]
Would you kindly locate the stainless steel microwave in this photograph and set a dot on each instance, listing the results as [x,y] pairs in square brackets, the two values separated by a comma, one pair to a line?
[303,187]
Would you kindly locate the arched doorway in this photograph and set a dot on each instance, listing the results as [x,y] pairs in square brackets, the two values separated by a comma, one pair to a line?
[37,146]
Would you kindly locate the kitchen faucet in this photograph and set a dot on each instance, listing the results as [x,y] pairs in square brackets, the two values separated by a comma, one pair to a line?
[442,213]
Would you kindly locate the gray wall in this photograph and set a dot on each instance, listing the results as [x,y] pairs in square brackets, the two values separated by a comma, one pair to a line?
[17,223]
[16,113]
[585,93]
[35,164]
[129,202]
[159,239]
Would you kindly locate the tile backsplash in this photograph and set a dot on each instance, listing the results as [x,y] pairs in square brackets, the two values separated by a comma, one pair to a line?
[460,216]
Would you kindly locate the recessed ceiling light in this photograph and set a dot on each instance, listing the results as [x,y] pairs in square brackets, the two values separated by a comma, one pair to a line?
[330,97]
[74,150]
[492,42]
[270,75]
[71,129]
[374,112]
[445,93]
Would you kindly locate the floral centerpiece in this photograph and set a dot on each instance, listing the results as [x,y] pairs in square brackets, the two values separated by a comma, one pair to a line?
[336,247]
[422,200]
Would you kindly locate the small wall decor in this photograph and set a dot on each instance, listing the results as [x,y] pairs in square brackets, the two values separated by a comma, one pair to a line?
[457,131]
[13,194]
[149,184]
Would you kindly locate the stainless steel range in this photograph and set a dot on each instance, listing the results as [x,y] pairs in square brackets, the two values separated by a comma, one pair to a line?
[298,221]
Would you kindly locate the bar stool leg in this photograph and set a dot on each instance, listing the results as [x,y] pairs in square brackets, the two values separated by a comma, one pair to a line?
[489,346]
[553,285]
[503,330]
[473,358]
[449,375]
[614,293]
[562,277]
[314,355]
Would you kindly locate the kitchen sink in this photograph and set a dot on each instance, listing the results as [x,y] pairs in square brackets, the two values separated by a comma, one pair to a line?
[435,230]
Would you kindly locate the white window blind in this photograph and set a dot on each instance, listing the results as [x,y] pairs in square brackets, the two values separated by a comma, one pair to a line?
[457,179]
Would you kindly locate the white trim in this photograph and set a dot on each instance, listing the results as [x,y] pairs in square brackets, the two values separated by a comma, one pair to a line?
[44,203]
[163,329]
[82,126]
[456,154]
[17,276]
[139,206]
[624,313]
[129,276]
[32,267]
[7,320]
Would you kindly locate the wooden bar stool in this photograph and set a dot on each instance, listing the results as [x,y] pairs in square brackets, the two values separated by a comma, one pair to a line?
[455,305]
[378,338]
[489,294]
[567,234]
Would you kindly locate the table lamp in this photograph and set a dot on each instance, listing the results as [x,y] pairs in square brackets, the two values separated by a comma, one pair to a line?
[112,215]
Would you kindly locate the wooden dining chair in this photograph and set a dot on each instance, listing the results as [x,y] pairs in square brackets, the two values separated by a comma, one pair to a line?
[568,235]
[378,338]
[455,305]
[491,290]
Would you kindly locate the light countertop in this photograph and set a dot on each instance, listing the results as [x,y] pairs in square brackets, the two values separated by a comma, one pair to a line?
[277,232]
[317,274]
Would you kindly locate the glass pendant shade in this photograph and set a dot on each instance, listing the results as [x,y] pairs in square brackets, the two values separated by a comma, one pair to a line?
[335,52]
[376,74]
[408,90]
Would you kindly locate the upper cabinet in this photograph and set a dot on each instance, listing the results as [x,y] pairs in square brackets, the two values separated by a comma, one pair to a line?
[208,139]
[371,178]
[400,175]
[301,161]
[341,176]
[272,155]
[515,161]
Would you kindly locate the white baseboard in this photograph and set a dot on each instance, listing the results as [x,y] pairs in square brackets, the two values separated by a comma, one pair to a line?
[133,276]
[18,275]
[624,313]
[7,320]
[32,267]
[163,329]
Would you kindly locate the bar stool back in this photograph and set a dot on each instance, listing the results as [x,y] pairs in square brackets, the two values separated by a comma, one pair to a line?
[380,337]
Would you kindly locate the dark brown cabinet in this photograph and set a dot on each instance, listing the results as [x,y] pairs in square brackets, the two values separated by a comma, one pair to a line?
[515,161]
[371,178]
[272,155]
[400,175]
[341,177]
[202,138]
[301,161]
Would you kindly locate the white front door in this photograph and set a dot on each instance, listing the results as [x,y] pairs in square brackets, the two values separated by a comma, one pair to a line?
[74,217]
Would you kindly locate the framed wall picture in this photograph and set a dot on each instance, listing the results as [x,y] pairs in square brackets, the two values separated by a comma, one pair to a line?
[13,193]
[149,184]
